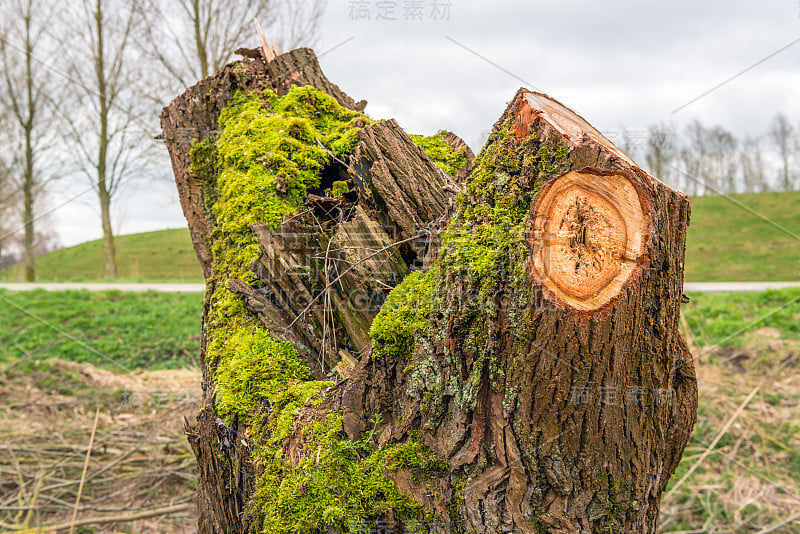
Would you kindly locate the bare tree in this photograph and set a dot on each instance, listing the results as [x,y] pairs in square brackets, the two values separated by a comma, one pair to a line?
[27,97]
[191,39]
[710,160]
[722,159]
[693,157]
[783,136]
[106,126]
[754,177]
[661,152]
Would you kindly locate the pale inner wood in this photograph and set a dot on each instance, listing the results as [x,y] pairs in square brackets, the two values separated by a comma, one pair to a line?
[589,234]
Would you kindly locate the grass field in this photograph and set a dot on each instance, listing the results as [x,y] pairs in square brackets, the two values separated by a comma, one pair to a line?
[114,330]
[118,331]
[726,319]
[165,255]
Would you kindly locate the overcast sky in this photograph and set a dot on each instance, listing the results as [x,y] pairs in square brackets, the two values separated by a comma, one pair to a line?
[619,64]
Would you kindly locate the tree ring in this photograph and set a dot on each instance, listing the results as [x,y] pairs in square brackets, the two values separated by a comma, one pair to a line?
[589,237]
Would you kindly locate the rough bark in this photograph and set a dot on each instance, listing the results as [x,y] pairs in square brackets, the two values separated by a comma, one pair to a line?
[555,383]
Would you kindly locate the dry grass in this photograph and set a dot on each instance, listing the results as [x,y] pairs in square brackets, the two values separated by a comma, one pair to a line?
[749,481]
[140,460]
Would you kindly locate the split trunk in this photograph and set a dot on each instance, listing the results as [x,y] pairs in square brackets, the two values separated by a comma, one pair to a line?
[536,354]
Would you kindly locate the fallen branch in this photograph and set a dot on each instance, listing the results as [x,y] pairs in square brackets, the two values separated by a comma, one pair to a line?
[780,524]
[125,518]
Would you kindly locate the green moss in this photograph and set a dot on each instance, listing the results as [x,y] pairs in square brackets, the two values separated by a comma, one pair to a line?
[338,485]
[268,154]
[204,168]
[404,314]
[454,507]
[259,367]
[203,160]
[441,152]
[339,188]
[422,462]
[492,213]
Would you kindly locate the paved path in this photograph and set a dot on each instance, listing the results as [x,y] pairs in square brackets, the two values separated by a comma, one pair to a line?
[160,288]
[704,287]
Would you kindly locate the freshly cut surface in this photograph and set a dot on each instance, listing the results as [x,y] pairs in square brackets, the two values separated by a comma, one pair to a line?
[589,237]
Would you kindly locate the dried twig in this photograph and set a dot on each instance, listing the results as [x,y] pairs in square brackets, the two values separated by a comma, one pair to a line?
[269,51]
[83,474]
[362,260]
[776,526]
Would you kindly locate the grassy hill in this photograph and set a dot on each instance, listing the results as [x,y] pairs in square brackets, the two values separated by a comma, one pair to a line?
[165,255]
[726,242]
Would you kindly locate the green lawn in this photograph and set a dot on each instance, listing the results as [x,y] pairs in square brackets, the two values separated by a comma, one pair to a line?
[726,242]
[115,330]
[165,255]
[118,330]
[726,319]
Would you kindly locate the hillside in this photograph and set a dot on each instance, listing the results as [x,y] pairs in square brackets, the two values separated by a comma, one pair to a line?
[726,242]
[165,255]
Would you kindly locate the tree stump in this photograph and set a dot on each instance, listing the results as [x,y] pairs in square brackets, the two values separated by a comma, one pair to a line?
[428,341]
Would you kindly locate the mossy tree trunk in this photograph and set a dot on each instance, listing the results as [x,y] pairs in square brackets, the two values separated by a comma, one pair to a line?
[504,331]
